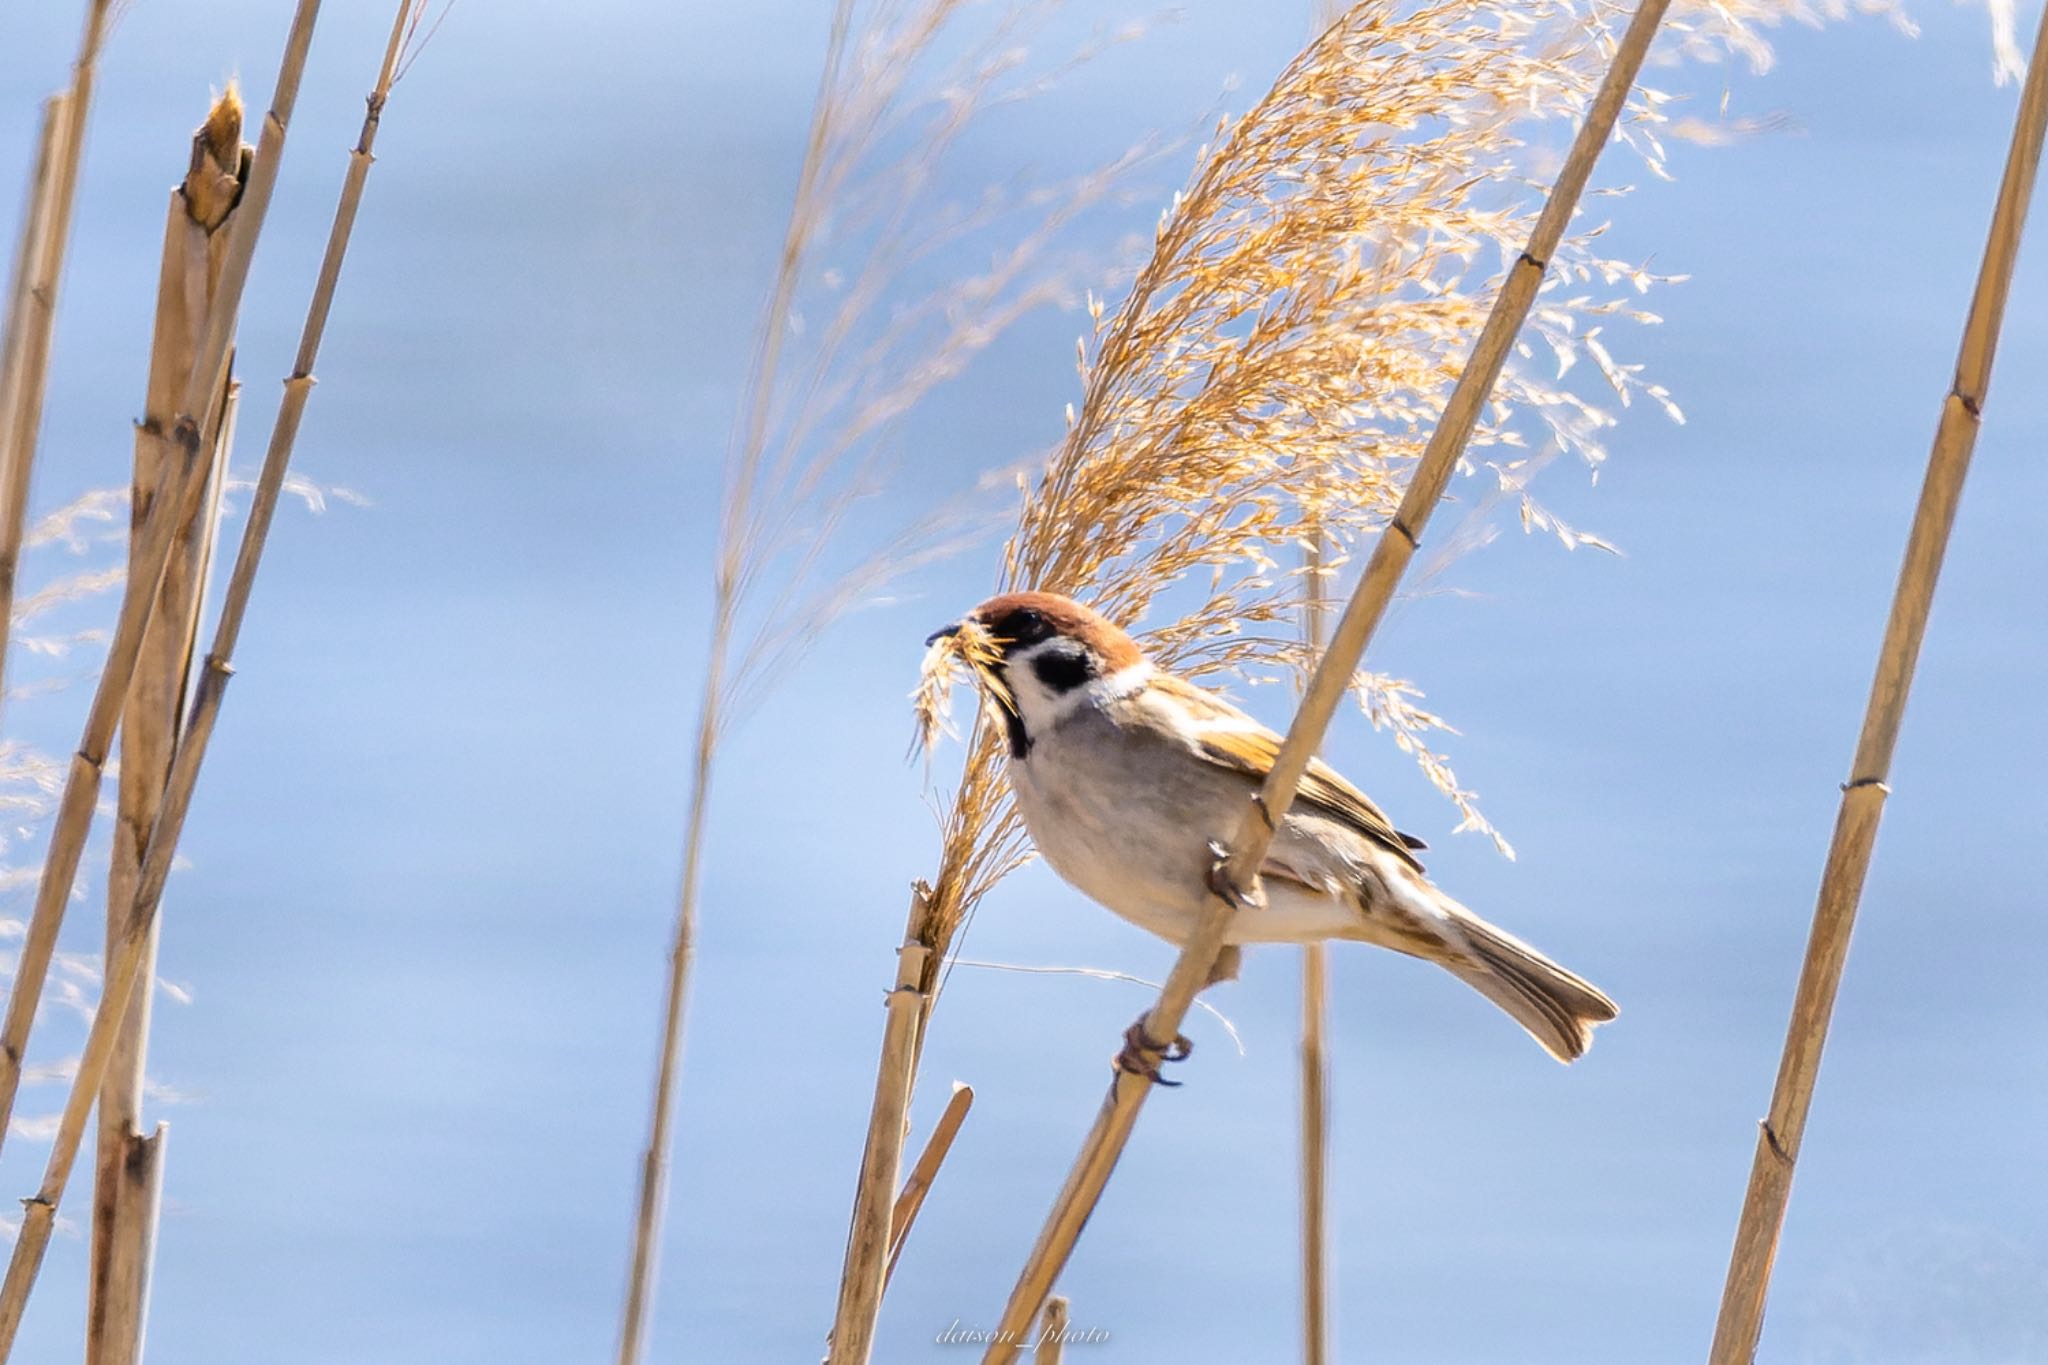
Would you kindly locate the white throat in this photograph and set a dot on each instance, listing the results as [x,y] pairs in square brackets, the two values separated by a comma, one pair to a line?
[1041,707]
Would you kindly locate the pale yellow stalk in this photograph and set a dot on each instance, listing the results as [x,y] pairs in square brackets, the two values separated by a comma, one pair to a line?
[1740,1323]
[24,308]
[924,1172]
[866,1265]
[127,1176]
[1236,874]
[28,349]
[1315,1068]
[1051,1347]
[125,960]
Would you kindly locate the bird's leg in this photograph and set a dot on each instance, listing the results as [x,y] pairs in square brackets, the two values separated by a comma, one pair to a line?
[1227,891]
[1143,1057]
[1230,957]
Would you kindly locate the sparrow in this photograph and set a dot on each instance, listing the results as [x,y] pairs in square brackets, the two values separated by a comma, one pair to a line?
[1125,774]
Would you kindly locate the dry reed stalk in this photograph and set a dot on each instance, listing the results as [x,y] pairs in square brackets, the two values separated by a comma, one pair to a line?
[134,1253]
[1051,1347]
[866,1267]
[28,355]
[125,960]
[1315,1154]
[35,209]
[805,441]
[126,1176]
[193,435]
[23,308]
[924,1171]
[1237,871]
[1740,1322]
[1315,1065]
[728,585]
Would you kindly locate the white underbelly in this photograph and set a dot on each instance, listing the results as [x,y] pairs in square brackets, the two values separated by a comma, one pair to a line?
[1153,871]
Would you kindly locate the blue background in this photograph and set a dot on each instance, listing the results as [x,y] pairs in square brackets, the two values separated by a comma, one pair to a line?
[433,858]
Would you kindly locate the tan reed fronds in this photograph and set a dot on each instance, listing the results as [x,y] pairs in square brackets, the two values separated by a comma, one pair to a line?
[193,435]
[1315,1058]
[1274,366]
[125,960]
[1237,872]
[127,1178]
[27,351]
[1740,1322]
[809,431]
[1279,356]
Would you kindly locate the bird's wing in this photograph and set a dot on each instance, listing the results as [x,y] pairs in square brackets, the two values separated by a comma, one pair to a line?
[1227,736]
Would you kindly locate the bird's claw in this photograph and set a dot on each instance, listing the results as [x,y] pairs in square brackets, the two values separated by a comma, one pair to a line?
[1226,890]
[1139,1053]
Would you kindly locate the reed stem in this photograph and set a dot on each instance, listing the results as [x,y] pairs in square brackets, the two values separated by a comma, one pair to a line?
[127,1174]
[867,1240]
[193,435]
[118,1320]
[1051,1347]
[24,306]
[1740,1323]
[28,349]
[924,1172]
[1315,1068]
[1237,871]
[124,963]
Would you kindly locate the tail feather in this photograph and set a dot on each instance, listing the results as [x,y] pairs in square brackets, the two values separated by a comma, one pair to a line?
[1557,1007]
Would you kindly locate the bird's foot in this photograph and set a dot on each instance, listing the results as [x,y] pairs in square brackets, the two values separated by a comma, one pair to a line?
[1220,883]
[1143,1057]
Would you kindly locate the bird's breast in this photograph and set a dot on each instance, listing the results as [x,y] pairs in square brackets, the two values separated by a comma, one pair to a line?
[1124,817]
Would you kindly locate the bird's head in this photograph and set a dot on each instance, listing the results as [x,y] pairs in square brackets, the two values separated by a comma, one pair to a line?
[1037,654]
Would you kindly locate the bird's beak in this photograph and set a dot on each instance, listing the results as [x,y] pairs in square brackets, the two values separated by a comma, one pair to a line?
[941,634]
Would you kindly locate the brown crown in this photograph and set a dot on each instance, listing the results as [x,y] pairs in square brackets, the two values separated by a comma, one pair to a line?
[1061,616]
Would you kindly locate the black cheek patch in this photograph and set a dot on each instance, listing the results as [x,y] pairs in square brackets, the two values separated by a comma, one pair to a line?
[1013,724]
[1060,671]
[1020,743]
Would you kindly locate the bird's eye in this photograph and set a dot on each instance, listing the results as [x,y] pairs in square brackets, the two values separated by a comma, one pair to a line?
[1021,626]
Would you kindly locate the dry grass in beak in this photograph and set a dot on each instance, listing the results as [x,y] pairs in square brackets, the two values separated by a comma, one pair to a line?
[967,651]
